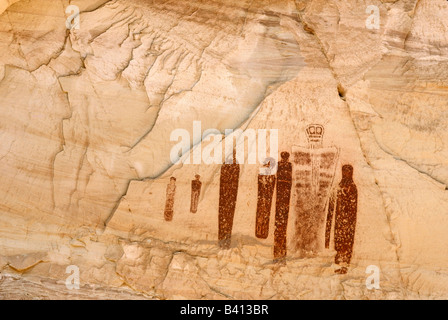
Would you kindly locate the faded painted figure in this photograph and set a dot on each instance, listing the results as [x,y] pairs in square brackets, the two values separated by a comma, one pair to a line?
[266,184]
[314,169]
[169,203]
[284,183]
[228,191]
[195,193]
[343,205]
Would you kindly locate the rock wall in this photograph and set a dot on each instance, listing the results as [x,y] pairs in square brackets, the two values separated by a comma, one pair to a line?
[88,126]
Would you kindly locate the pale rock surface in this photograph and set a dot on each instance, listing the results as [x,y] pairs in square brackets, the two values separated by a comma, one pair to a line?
[85,130]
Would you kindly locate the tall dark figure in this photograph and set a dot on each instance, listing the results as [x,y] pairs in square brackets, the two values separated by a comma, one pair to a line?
[284,183]
[195,193]
[266,184]
[345,202]
[228,191]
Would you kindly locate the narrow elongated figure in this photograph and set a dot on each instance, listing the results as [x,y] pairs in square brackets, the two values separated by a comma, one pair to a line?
[228,191]
[266,184]
[284,183]
[195,193]
[344,205]
[169,203]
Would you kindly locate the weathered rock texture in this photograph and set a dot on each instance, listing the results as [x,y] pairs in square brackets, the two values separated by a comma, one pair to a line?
[86,119]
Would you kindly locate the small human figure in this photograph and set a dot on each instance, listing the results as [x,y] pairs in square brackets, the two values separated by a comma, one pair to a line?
[169,203]
[266,184]
[228,191]
[344,200]
[284,183]
[195,193]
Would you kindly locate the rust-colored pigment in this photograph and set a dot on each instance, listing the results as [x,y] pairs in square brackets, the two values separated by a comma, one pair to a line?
[266,184]
[284,183]
[313,176]
[195,193]
[169,203]
[344,202]
[228,191]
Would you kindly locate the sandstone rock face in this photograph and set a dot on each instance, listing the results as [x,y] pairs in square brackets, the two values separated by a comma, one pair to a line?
[93,111]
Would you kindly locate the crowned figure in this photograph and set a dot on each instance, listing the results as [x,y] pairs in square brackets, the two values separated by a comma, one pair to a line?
[313,173]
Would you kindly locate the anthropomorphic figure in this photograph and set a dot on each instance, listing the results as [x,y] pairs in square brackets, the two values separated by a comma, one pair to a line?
[266,185]
[169,203]
[343,205]
[284,183]
[313,173]
[195,193]
[228,191]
